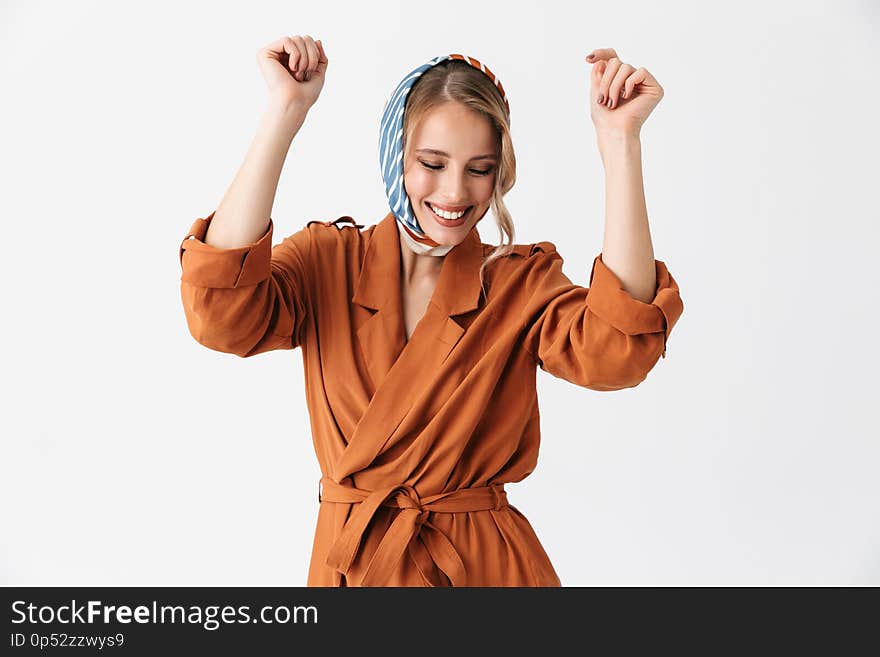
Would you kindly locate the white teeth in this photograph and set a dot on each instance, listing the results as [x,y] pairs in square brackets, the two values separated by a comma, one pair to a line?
[447,215]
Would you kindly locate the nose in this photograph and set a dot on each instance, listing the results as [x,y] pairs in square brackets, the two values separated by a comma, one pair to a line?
[454,190]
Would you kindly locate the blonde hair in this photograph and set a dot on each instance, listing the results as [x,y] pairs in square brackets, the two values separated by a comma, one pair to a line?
[458,81]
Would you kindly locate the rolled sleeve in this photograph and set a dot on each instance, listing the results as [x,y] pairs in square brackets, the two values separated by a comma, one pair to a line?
[246,300]
[207,266]
[599,337]
[608,299]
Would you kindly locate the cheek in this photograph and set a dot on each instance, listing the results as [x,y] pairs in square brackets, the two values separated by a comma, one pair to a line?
[487,186]
[417,183]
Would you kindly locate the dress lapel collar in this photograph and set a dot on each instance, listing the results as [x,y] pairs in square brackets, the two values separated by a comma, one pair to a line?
[382,337]
[458,288]
[380,267]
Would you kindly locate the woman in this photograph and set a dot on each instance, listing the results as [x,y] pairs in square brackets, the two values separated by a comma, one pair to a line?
[420,343]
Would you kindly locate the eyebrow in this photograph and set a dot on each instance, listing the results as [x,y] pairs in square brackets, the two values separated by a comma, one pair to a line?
[487,156]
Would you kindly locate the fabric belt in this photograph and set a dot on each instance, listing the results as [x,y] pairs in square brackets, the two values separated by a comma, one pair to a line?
[409,531]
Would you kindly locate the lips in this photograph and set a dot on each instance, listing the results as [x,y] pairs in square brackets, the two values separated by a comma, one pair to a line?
[448,208]
[449,222]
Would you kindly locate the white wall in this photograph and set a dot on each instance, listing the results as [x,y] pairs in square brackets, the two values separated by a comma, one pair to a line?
[131,455]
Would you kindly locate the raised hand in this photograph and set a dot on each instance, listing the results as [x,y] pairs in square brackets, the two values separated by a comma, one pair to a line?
[621,96]
[294,68]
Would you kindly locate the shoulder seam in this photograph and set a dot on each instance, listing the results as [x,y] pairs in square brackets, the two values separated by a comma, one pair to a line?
[544,247]
[529,250]
[336,222]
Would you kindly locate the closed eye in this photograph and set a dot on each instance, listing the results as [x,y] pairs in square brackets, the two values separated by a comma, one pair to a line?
[440,166]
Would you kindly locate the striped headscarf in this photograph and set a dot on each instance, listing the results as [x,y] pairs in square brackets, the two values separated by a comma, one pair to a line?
[391,155]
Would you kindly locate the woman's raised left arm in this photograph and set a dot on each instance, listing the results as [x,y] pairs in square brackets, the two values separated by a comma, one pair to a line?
[609,335]
[621,98]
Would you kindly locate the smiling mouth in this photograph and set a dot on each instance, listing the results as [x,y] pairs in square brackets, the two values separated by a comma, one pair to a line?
[450,222]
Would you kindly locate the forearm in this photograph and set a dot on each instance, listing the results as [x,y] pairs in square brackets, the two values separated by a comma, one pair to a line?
[243,215]
[627,248]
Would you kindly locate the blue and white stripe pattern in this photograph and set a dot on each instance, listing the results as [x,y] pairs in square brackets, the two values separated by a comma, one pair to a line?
[391,147]
[391,140]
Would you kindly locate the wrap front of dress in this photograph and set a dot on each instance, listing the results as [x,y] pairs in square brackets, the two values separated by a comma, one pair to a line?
[418,441]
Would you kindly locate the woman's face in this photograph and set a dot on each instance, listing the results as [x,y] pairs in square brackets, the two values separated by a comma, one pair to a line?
[451,162]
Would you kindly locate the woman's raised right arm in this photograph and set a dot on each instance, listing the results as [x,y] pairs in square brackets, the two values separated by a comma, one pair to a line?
[294,69]
[243,214]
[240,294]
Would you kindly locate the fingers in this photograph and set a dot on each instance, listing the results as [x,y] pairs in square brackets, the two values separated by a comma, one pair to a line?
[616,87]
[613,79]
[313,56]
[290,47]
[638,77]
[598,72]
[322,57]
[649,81]
[610,69]
[304,56]
[277,49]
[601,53]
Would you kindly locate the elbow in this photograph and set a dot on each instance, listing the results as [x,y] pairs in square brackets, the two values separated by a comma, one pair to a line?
[621,377]
[214,327]
[608,367]
[243,335]
[243,322]
[618,383]
[635,363]
[227,321]
[217,339]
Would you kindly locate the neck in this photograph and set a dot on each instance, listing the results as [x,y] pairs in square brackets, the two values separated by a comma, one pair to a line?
[416,267]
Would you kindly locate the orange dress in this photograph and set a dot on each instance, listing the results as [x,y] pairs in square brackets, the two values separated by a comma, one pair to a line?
[417,439]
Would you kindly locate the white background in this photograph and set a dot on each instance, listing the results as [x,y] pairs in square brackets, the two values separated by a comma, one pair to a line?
[132,455]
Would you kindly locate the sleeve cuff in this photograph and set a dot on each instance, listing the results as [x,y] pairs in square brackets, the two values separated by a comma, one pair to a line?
[207,266]
[608,299]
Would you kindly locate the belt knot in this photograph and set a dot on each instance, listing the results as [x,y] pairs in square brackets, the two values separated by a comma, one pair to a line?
[406,497]
[410,530]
